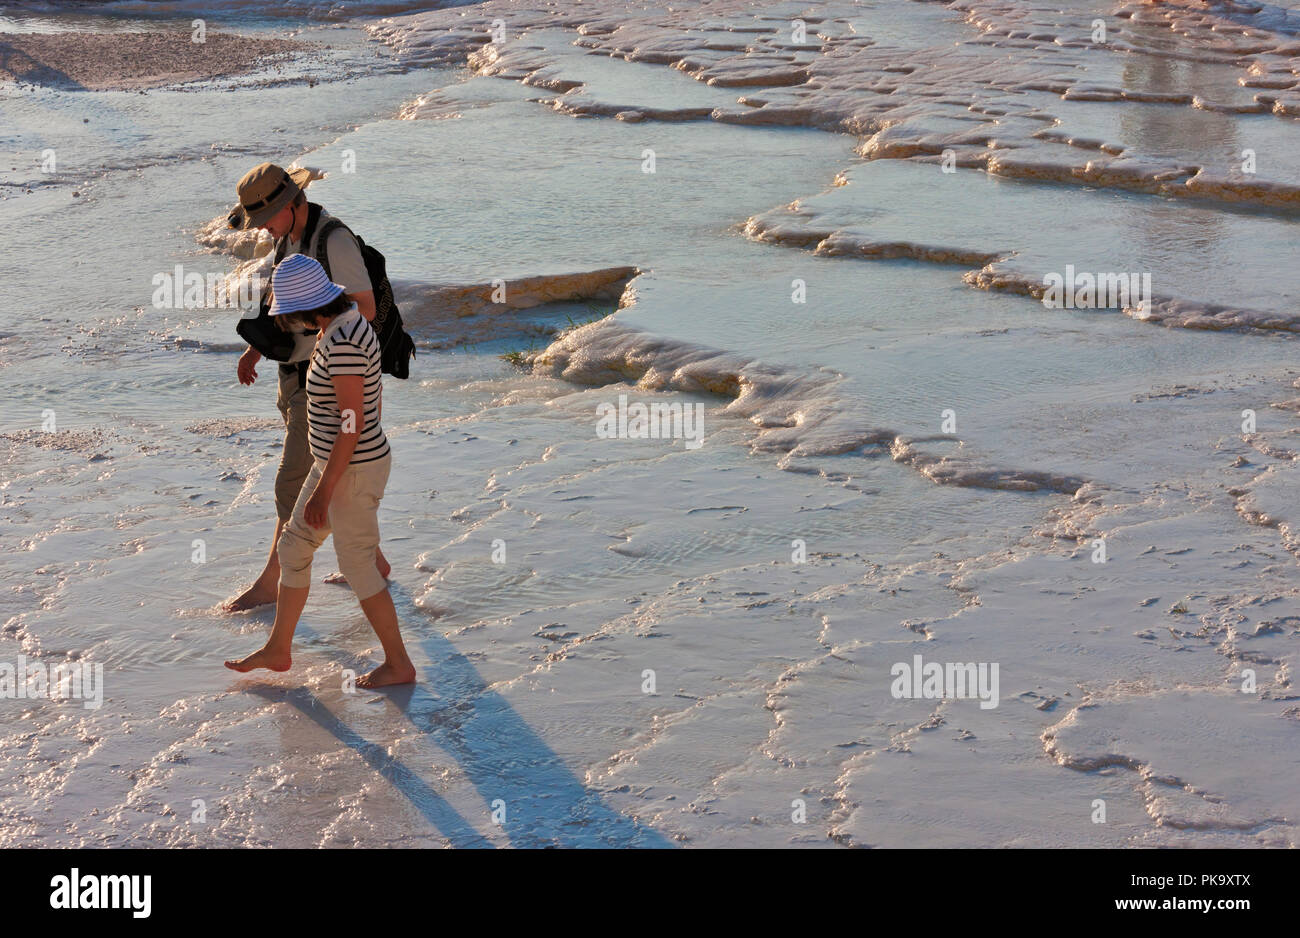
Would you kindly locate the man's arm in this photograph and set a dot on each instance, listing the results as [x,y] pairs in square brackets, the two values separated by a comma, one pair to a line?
[246,368]
[365,303]
[348,270]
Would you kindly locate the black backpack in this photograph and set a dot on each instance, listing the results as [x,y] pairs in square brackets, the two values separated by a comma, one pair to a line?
[396,347]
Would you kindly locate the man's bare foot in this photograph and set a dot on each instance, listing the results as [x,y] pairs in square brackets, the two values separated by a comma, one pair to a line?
[274,661]
[256,595]
[387,674]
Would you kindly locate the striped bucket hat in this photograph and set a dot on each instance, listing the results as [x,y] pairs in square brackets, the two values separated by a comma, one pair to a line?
[299,283]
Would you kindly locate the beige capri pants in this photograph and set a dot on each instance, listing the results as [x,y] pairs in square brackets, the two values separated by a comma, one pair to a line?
[353,519]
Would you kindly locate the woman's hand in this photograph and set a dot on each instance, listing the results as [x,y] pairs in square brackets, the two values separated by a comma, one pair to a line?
[317,511]
[348,393]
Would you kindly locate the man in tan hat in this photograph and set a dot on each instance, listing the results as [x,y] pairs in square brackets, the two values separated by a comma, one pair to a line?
[274,200]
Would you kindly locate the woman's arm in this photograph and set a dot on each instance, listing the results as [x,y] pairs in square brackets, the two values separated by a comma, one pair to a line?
[349,392]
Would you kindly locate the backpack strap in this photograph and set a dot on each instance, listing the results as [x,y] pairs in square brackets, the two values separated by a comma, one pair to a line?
[313,219]
[322,243]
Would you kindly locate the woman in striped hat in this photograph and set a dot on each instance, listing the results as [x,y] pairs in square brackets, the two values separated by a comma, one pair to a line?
[351,464]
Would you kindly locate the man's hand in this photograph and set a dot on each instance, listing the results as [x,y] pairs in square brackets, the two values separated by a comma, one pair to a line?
[317,511]
[247,373]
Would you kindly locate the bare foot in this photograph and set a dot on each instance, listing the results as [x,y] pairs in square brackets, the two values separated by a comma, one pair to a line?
[263,658]
[256,595]
[387,674]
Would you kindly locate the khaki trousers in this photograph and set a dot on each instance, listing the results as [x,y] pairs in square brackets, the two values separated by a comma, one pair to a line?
[353,519]
[296,460]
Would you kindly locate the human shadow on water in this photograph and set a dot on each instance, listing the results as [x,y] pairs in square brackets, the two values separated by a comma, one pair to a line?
[24,68]
[435,810]
[513,768]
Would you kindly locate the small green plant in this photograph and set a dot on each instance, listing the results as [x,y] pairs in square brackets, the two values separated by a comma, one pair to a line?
[518,358]
[594,314]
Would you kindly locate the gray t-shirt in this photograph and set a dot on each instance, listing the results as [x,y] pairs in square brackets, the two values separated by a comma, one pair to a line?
[347,269]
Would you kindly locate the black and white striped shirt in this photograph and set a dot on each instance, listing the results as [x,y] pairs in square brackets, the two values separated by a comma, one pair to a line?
[347,347]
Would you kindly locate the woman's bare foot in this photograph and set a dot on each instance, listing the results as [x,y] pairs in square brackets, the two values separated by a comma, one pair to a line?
[263,658]
[256,595]
[387,674]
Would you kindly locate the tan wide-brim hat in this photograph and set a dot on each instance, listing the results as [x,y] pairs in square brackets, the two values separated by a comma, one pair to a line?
[265,190]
